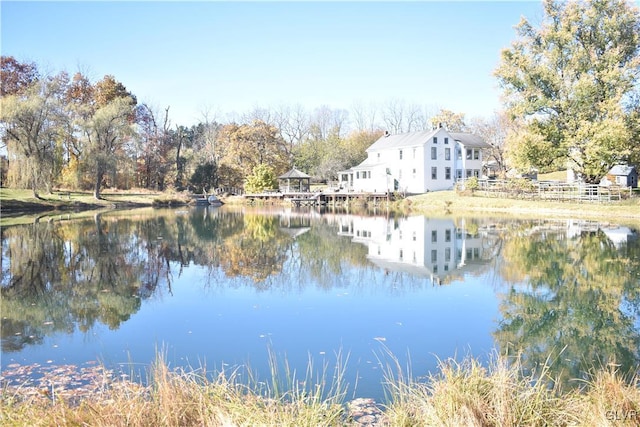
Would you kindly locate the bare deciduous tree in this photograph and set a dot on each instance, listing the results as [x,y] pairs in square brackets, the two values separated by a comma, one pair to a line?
[495,131]
[365,117]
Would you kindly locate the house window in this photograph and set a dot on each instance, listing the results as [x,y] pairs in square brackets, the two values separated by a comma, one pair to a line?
[459,153]
[458,173]
[469,153]
[446,140]
[414,172]
[378,156]
[447,153]
[434,255]
[447,235]
[434,236]
[434,172]
[435,139]
[434,153]
[400,154]
[357,175]
[447,173]
[476,154]
[447,254]
[476,173]
[469,172]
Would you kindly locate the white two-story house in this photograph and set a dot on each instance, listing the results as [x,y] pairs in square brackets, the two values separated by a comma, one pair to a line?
[416,162]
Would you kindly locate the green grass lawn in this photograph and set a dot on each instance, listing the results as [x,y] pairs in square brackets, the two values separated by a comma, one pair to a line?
[553,176]
[434,203]
[452,203]
[17,200]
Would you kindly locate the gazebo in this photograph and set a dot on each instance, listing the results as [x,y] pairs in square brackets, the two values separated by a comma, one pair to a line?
[294,181]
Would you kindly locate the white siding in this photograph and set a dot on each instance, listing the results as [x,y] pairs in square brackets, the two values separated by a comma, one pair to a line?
[412,166]
[427,246]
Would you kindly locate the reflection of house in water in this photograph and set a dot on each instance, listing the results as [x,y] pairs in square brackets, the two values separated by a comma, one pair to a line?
[617,234]
[436,248]
[295,223]
[621,235]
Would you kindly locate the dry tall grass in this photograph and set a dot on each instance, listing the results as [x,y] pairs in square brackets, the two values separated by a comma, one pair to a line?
[464,393]
[189,398]
[469,394]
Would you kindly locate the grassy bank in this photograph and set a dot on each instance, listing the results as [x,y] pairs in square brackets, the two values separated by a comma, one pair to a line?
[460,394]
[435,203]
[12,200]
[452,203]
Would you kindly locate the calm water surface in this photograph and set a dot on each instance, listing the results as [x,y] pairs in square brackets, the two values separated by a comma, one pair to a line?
[224,287]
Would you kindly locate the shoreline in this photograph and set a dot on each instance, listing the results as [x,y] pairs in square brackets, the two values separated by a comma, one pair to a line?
[15,203]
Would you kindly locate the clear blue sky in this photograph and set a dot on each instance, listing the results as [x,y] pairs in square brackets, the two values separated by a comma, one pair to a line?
[234,56]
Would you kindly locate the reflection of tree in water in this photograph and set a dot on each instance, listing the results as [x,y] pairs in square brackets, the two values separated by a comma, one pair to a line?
[579,307]
[256,252]
[323,254]
[61,275]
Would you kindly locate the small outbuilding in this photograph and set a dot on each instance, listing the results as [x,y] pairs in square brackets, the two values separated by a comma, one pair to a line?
[623,175]
[294,181]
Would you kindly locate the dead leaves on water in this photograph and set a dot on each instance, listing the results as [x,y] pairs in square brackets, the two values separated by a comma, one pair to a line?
[70,383]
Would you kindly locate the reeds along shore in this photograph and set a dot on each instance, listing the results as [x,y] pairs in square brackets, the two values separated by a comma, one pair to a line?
[462,393]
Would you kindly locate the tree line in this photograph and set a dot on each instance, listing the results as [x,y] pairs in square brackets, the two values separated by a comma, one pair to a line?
[66,131]
[571,91]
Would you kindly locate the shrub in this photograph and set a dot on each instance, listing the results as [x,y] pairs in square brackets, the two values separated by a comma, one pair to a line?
[262,178]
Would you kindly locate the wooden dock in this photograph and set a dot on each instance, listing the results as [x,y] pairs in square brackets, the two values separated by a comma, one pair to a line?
[307,200]
[323,198]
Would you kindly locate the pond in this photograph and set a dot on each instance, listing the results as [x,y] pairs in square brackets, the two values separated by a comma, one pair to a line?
[232,287]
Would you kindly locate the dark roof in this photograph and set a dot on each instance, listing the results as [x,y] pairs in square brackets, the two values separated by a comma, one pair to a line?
[294,173]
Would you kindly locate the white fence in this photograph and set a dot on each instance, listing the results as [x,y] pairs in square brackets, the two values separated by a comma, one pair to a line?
[548,190]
